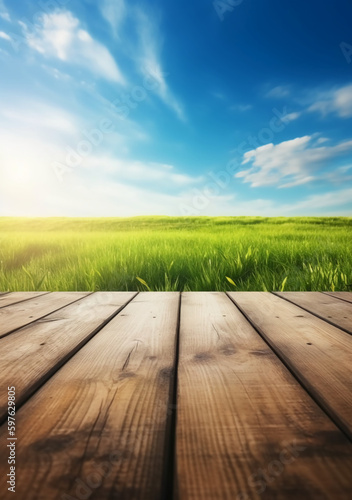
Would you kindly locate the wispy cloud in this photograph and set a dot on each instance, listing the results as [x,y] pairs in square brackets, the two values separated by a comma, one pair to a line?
[279,92]
[120,187]
[56,73]
[338,101]
[29,186]
[290,163]
[149,60]
[4,14]
[42,131]
[317,202]
[114,12]
[37,192]
[39,116]
[61,36]
[5,36]
[290,117]
[138,171]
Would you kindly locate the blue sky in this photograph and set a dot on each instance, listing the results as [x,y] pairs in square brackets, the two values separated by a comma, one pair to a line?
[116,108]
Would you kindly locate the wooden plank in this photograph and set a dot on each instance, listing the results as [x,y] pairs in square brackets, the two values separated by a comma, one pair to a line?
[8,299]
[330,309]
[19,315]
[347,296]
[99,425]
[31,355]
[239,408]
[318,353]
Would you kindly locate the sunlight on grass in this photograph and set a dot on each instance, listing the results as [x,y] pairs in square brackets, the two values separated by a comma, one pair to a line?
[162,253]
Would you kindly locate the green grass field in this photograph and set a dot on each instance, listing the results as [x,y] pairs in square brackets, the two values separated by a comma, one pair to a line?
[169,253]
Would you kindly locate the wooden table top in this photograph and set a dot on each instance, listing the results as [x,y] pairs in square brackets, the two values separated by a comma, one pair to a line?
[167,395]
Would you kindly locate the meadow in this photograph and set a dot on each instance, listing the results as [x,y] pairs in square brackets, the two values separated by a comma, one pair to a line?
[176,253]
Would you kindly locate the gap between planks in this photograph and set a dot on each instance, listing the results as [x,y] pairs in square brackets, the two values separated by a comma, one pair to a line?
[326,307]
[16,316]
[238,405]
[173,420]
[31,355]
[346,296]
[323,368]
[112,397]
[9,298]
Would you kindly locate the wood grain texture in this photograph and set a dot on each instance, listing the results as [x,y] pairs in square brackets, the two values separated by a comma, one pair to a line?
[98,428]
[239,410]
[347,296]
[330,309]
[19,315]
[8,299]
[318,353]
[30,355]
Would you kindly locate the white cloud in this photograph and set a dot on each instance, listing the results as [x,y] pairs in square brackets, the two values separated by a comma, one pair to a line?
[26,176]
[321,140]
[39,116]
[32,135]
[331,203]
[340,175]
[61,36]
[345,169]
[35,138]
[56,73]
[149,61]
[290,117]
[30,187]
[317,202]
[5,36]
[298,182]
[4,12]
[337,101]
[114,12]
[279,92]
[289,163]
[137,171]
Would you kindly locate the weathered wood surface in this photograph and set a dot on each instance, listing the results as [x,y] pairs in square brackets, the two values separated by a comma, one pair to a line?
[25,312]
[341,295]
[318,353]
[239,410]
[260,409]
[100,424]
[6,299]
[330,309]
[30,355]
